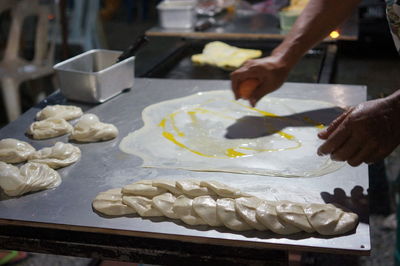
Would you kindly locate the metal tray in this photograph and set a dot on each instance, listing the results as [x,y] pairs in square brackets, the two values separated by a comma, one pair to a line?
[94,76]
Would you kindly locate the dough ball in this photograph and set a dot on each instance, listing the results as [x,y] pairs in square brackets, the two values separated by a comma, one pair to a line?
[221,190]
[246,208]
[327,219]
[30,177]
[164,204]
[347,222]
[90,129]
[143,188]
[266,214]
[110,203]
[183,208]
[168,185]
[49,128]
[67,112]
[60,155]
[206,208]
[142,205]
[11,180]
[226,212]
[15,151]
[293,214]
[192,188]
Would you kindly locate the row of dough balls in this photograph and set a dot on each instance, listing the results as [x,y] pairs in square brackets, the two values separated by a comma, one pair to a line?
[53,123]
[215,204]
[38,173]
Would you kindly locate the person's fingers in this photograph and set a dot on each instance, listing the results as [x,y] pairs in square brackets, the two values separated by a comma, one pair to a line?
[324,134]
[248,63]
[258,94]
[362,156]
[335,141]
[237,77]
[247,88]
[235,81]
[347,150]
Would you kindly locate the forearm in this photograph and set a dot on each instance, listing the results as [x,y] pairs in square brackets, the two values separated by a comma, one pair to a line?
[317,20]
[394,103]
[394,98]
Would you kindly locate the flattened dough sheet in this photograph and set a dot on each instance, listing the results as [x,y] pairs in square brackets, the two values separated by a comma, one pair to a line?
[210,131]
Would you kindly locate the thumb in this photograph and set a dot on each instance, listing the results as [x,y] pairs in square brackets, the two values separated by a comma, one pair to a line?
[324,134]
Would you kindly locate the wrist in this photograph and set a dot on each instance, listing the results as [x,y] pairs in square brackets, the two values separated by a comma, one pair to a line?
[394,105]
[286,56]
[282,60]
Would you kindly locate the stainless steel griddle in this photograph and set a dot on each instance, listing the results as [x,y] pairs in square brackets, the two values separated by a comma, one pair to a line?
[33,221]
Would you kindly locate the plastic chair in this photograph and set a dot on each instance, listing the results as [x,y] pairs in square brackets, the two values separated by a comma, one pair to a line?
[13,68]
[85,28]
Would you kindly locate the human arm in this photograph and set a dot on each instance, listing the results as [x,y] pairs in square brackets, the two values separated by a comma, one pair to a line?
[317,20]
[366,133]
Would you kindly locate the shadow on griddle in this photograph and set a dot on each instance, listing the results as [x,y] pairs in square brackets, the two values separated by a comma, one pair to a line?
[356,202]
[250,127]
[248,234]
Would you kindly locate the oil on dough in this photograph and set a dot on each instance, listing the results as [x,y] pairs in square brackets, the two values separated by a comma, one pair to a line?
[210,131]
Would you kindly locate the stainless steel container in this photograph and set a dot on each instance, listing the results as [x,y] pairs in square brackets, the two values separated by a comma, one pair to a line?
[94,76]
[177,14]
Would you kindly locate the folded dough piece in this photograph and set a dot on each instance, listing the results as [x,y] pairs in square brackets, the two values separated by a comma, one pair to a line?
[30,177]
[293,213]
[224,56]
[164,203]
[206,208]
[49,128]
[192,188]
[183,208]
[327,219]
[222,190]
[60,155]
[266,215]
[144,206]
[90,129]
[347,222]
[226,212]
[143,188]
[239,214]
[110,203]
[67,112]
[11,180]
[168,185]
[15,151]
[246,208]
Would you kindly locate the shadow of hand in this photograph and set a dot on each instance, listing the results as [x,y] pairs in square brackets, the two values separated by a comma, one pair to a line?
[250,127]
[356,202]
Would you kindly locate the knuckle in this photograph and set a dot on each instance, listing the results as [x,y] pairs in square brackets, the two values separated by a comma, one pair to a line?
[354,162]
[337,157]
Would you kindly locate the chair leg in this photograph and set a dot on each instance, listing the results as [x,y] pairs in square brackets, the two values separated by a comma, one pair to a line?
[10,90]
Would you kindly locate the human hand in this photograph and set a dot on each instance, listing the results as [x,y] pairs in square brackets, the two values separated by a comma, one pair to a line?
[270,72]
[366,133]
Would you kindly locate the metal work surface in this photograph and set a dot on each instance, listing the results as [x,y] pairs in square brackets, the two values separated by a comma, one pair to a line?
[104,166]
[251,26]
